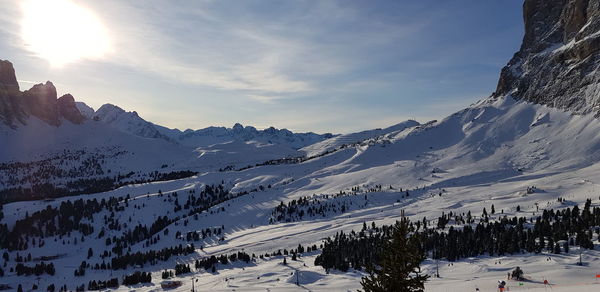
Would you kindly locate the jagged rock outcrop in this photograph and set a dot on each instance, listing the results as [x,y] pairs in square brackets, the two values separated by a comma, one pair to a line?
[40,101]
[69,110]
[558,63]
[11,111]
[8,78]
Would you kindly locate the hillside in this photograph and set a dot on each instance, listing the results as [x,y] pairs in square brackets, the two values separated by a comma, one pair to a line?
[509,181]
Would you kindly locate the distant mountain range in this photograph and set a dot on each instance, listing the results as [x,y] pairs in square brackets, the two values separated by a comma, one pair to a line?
[311,209]
[41,102]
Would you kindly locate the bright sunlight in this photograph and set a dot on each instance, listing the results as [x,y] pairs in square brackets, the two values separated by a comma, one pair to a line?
[62,32]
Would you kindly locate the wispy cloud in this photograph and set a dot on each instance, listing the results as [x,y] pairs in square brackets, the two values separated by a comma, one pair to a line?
[330,65]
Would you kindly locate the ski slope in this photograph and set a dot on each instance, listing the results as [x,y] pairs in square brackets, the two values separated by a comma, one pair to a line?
[489,153]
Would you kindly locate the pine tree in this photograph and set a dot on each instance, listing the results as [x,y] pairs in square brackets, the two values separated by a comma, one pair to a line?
[399,266]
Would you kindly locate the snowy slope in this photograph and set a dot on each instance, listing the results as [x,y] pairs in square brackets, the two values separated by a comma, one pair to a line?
[515,155]
[352,138]
[489,153]
[85,110]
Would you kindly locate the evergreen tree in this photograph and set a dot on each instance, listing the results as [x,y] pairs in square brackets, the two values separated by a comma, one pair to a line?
[399,267]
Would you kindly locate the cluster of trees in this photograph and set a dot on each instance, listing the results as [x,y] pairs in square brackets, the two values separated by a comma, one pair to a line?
[167,274]
[279,161]
[86,186]
[203,234]
[318,206]
[293,252]
[102,285]
[138,233]
[210,263]
[210,196]
[58,166]
[356,250]
[152,256]
[77,172]
[181,269]
[51,221]
[136,278]
[297,210]
[37,270]
[553,231]
[80,271]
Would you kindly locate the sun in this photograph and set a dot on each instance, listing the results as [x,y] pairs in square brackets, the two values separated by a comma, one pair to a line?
[63,32]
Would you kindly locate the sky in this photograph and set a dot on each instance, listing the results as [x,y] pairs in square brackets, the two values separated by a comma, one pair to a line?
[321,66]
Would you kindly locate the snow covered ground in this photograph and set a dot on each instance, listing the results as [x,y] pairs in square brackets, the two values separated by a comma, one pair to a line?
[489,153]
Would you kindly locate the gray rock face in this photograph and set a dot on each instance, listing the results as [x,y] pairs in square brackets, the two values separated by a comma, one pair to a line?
[69,110]
[558,63]
[11,111]
[40,101]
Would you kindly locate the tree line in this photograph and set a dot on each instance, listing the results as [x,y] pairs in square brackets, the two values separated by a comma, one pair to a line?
[554,231]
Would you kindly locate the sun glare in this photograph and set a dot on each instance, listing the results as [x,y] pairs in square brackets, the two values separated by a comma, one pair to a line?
[62,32]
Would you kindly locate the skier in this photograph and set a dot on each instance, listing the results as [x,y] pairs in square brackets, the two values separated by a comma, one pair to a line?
[501,285]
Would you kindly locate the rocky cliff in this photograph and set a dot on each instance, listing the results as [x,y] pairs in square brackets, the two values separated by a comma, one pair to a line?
[558,63]
[40,101]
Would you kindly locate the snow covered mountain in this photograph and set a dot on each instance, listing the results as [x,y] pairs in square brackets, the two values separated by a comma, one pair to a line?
[40,132]
[527,151]
[132,123]
[212,135]
[40,102]
[128,122]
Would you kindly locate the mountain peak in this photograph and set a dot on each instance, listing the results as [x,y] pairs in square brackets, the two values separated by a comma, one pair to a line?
[11,110]
[39,101]
[8,78]
[238,127]
[68,109]
[129,122]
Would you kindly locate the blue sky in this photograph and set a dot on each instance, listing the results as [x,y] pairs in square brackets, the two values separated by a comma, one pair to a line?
[323,66]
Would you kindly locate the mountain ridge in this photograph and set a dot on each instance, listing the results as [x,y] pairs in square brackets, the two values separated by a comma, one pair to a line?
[41,101]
